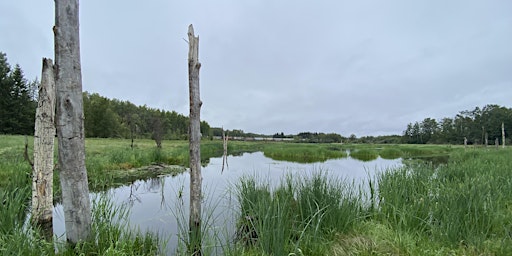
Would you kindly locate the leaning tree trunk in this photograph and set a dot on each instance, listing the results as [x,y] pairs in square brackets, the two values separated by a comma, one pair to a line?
[70,123]
[44,135]
[195,144]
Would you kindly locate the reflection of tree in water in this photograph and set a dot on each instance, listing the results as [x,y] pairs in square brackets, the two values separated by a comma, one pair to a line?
[225,154]
[133,197]
[153,184]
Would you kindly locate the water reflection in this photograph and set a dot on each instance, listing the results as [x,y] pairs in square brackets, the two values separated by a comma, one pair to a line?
[158,203]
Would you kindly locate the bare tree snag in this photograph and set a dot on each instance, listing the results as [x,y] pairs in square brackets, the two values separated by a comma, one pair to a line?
[225,146]
[44,135]
[194,144]
[503,135]
[70,123]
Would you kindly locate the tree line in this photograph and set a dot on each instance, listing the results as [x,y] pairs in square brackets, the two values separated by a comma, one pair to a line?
[112,118]
[104,118]
[477,126]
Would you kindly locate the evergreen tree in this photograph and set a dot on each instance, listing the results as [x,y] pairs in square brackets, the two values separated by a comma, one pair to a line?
[17,105]
[5,92]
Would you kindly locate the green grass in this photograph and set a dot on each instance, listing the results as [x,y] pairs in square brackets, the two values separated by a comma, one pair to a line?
[300,216]
[302,152]
[364,154]
[463,205]
[457,202]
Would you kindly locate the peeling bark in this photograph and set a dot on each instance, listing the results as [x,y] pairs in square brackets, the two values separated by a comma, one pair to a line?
[44,135]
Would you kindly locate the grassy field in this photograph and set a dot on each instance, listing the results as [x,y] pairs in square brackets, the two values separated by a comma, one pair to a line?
[458,202]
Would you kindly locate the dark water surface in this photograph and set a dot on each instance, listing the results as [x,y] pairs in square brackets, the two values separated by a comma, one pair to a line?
[158,204]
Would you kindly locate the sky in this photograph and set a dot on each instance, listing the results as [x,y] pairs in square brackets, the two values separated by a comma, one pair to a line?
[350,67]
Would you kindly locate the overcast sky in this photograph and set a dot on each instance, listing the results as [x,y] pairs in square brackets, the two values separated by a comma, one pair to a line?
[349,67]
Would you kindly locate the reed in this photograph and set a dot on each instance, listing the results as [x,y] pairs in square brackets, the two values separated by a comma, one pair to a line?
[463,203]
[300,216]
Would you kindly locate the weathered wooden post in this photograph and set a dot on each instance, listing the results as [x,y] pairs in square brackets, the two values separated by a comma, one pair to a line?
[44,136]
[194,144]
[465,142]
[70,122]
[502,134]
[225,146]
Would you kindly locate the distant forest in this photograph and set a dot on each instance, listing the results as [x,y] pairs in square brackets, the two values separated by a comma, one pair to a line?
[477,126]
[112,118]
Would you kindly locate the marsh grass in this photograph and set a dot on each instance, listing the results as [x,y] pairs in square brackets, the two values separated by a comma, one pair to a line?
[463,204]
[303,153]
[300,216]
[364,154]
[112,234]
[390,153]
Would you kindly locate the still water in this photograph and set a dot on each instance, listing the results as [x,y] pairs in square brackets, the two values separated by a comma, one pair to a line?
[159,205]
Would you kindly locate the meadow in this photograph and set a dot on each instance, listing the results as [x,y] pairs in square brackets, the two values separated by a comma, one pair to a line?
[446,200]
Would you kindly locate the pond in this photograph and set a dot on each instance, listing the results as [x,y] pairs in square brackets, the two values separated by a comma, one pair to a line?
[161,204]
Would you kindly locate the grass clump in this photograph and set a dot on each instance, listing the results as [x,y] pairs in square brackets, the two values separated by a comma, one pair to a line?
[300,216]
[390,153]
[364,154]
[303,153]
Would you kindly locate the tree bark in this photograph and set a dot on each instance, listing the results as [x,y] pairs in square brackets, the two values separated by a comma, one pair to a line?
[44,135]
[70,123]
[194,144]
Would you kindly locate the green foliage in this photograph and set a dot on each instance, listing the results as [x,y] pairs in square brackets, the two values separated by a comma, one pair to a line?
[112,118]
[319,137]
[17,103]
[474,125]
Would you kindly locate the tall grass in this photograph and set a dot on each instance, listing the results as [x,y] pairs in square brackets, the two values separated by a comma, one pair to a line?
[303,153]
[111,234]
[465,203]
[300,216]
[364,154]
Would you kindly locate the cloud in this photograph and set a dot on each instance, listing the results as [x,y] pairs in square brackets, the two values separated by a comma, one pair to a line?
[363,67]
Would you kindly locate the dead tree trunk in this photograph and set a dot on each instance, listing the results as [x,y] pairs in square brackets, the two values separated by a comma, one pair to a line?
[195,144]
[70,123]
[225,146]
[44,135]
[503,135]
